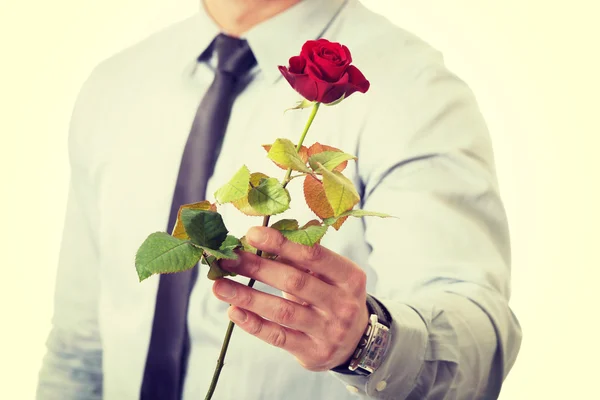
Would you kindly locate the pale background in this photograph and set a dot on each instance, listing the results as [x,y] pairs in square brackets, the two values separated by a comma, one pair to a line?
[533,64]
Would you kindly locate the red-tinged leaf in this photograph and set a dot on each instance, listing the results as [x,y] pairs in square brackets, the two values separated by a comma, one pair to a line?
[338,224]
[340,191]
[303,153]
[315,197]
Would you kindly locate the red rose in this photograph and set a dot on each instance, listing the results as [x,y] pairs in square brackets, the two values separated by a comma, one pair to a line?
[322,72]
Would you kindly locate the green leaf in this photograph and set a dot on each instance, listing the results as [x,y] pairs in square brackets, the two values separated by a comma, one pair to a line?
[301,104]
[242,204]
[208,260]
[230,242]
[283,152]
[162,253]
[179,230]
[236,188]
[225,251]
[307,236]
[286,225]
[329,159]
[215,272]
[205,228]
[220,254]
[339,190]
[356,213]
[269,197]
[247,246]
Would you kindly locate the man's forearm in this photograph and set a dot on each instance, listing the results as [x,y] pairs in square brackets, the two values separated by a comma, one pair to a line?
[444,345]
[460,359]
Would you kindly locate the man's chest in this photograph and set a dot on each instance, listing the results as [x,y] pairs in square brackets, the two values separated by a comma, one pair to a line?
[136,176]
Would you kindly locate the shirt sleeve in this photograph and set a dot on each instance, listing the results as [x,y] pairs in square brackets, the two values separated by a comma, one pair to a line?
[72,365]
[442,266]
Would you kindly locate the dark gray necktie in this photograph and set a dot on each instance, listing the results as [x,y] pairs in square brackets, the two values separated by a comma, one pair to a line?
[169,348]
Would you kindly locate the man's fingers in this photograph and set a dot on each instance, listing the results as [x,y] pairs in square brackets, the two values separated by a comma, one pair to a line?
[284,277]
[293,298]
[295,342]
[279,310]
[328,265]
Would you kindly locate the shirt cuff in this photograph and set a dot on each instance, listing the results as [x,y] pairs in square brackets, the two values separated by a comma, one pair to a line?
[397,375]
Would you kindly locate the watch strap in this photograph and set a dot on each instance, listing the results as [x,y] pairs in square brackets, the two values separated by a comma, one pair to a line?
[375,307]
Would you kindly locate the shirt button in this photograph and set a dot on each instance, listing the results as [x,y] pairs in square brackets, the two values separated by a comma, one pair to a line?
[381,386]
[352,389]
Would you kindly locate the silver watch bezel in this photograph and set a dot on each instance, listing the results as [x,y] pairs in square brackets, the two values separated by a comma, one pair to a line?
[373,354]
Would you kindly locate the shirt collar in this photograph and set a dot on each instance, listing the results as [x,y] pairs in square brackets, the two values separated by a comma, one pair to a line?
[207,30]
[274,41]
[277,39]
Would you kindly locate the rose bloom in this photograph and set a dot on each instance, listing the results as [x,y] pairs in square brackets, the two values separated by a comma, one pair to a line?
[323,72]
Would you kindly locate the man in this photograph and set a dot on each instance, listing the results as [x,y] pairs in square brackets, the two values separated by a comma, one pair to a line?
[438,275]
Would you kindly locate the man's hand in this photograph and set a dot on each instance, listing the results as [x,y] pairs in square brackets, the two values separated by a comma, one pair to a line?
[323,313]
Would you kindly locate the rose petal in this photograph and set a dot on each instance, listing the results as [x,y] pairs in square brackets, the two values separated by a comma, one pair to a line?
[329,54]
[322,72]
[330,71]
[297,64]
[328,58]
[314,71]
[290,77]
[335,91]
[347,54]
[306,86]
[323,88]
[357,79]
[307,48]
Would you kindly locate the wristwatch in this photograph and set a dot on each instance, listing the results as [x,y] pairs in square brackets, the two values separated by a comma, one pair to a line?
[373,345]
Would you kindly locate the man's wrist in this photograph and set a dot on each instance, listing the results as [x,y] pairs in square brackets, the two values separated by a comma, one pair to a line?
[373,346]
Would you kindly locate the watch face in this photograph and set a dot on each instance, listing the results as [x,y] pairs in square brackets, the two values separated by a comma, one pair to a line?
[376,348]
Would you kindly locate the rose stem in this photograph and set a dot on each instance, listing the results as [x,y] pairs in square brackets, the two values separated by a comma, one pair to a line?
[286,180]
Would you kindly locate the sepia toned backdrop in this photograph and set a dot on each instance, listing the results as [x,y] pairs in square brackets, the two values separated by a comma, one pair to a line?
[532,64]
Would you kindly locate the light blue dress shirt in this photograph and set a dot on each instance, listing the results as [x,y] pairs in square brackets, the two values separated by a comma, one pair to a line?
[442,267]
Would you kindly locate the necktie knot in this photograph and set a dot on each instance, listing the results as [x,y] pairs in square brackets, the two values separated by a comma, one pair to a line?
[234,55]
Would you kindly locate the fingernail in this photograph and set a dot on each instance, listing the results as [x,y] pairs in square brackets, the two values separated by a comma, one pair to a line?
[256,235]
[225,289]
[227,264]
[238,315]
